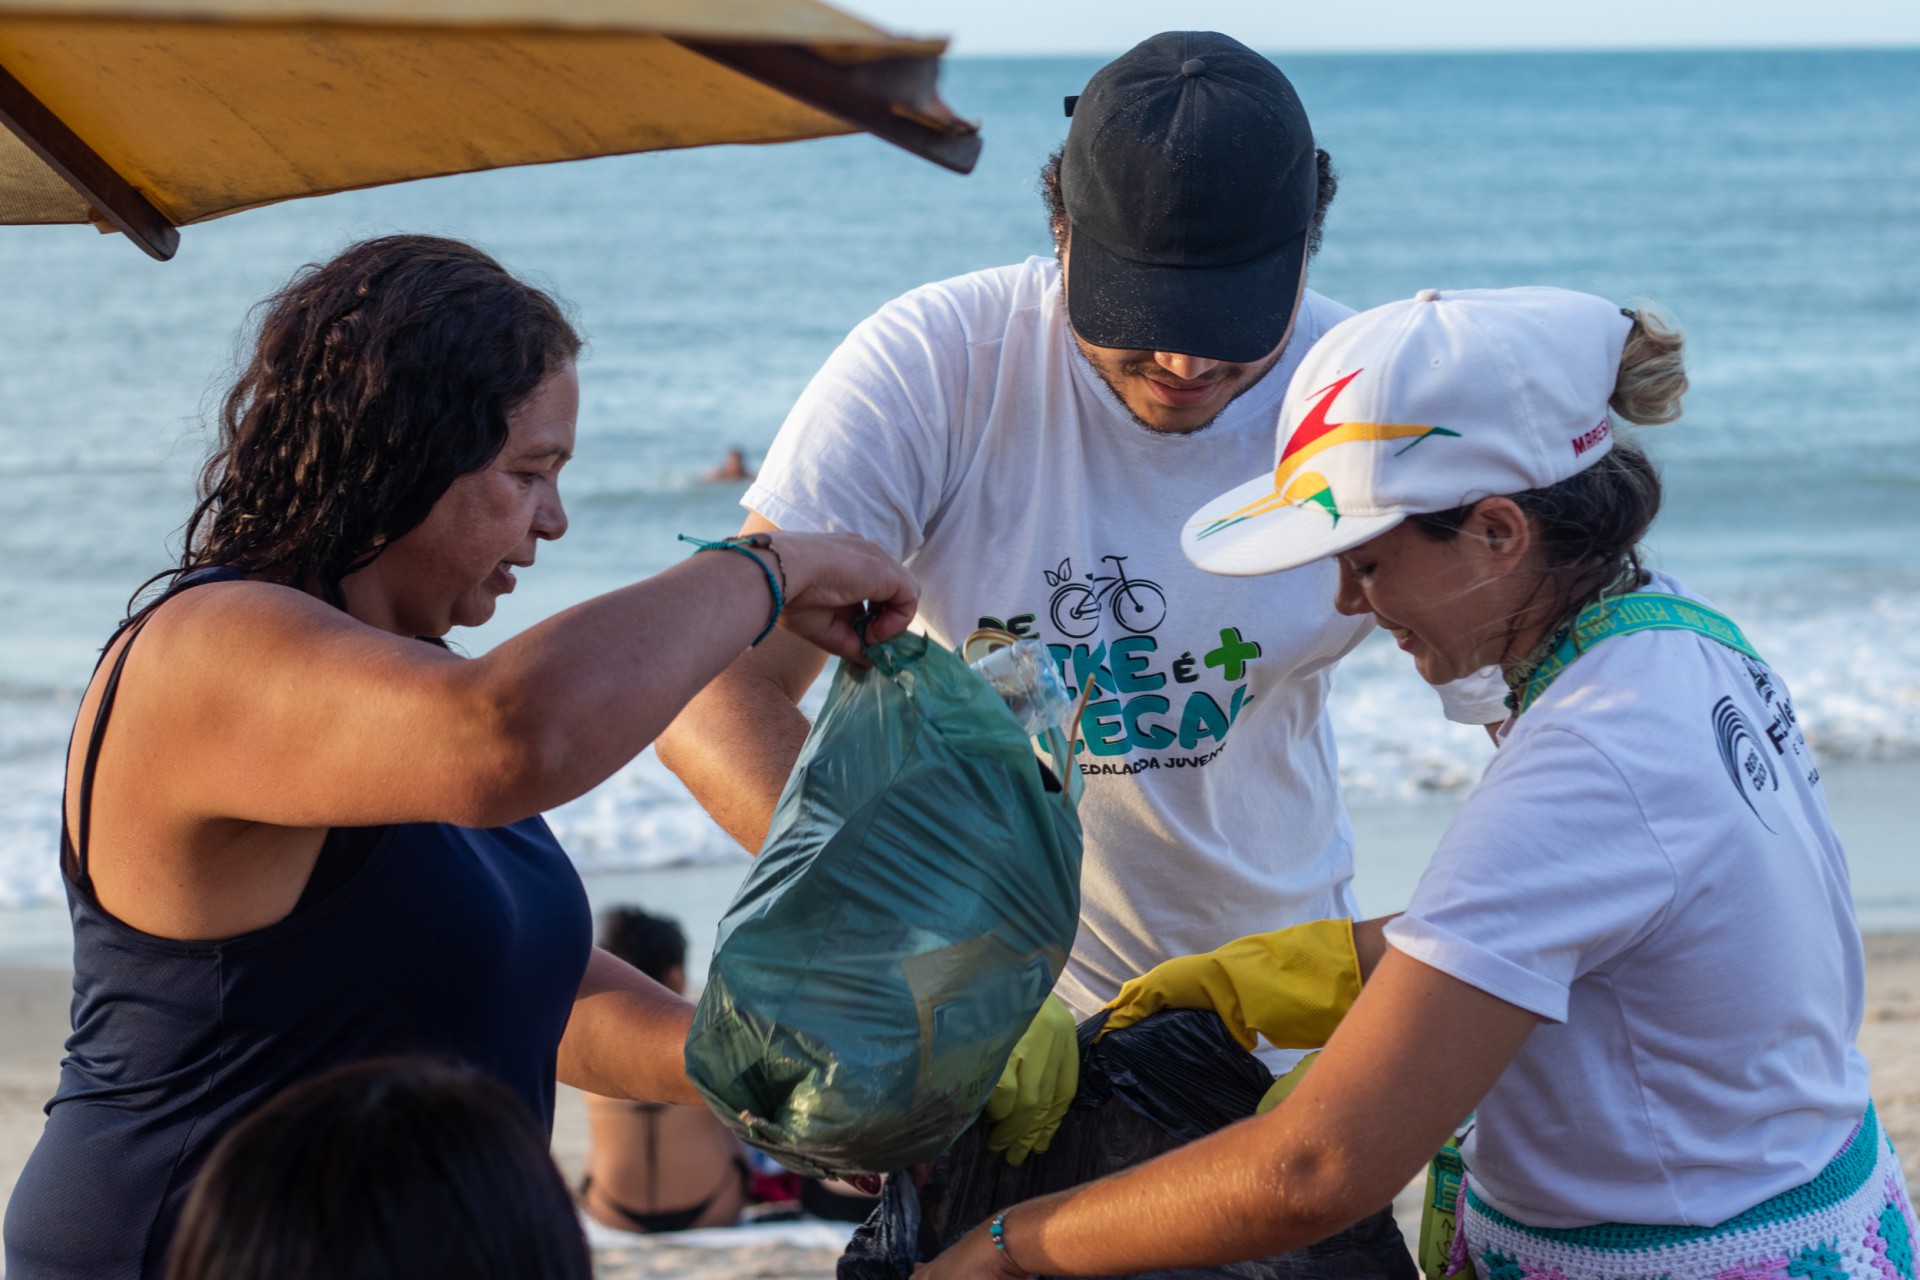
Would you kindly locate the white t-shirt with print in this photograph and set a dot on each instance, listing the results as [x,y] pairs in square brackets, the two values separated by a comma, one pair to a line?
[961,429]
[1648,866]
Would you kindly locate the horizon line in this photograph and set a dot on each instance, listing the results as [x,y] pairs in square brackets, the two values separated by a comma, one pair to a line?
[1348,51]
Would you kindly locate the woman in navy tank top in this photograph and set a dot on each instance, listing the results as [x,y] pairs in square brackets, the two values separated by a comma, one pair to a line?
[300,831]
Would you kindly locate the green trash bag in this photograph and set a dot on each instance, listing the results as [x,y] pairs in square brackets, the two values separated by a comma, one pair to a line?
[914,903]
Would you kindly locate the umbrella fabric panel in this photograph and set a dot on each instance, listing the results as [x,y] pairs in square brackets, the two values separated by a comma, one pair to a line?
[213,118]
[30,192]
[796,21]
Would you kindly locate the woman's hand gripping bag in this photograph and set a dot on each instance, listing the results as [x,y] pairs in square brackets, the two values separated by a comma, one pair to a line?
[916,898]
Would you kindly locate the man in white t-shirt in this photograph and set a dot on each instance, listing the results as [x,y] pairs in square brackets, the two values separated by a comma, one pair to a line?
[1031,451]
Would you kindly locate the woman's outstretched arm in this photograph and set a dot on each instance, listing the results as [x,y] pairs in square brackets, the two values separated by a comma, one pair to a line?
[1414,1056]
[261,704]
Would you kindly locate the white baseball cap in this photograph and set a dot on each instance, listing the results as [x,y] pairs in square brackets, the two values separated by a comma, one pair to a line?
[1421,406]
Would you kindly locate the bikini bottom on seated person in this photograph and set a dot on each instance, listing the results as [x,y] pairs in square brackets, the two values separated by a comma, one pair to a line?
[672,1219]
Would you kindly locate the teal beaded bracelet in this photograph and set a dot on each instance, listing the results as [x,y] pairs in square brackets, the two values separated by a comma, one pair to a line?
[745,544]
[998,1230]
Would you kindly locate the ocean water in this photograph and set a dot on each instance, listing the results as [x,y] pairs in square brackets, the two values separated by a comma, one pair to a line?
[1770,201]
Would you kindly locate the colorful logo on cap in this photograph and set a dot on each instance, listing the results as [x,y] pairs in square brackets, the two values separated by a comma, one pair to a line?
[1293,486]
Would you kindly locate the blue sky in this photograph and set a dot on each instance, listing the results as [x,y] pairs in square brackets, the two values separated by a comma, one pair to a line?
[1109,26]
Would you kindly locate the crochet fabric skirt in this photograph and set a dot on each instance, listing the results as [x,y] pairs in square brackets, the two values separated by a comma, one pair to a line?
[1853,1221]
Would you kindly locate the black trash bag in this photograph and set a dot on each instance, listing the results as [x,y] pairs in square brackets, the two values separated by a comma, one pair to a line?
[1144,1090]
[913,905]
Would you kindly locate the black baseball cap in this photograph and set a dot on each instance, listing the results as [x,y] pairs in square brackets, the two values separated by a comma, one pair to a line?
[1190,183]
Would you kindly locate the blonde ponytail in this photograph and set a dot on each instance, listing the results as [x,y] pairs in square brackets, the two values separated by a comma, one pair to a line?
[1653,371]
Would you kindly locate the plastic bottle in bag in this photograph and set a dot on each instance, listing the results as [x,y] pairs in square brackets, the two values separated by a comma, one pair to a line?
[1025,677]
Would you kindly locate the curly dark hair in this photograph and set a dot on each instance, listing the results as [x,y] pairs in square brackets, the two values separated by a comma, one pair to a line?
[1328,186]
[374,382]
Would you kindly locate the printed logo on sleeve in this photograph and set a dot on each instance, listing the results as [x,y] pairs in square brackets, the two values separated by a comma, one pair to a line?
[1746,765]
[1783,726]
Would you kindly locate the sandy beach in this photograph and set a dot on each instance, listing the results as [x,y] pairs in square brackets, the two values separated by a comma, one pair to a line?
[33,1023]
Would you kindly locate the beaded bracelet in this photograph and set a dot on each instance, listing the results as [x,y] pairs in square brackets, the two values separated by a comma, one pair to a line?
[998,1230]
[744,544]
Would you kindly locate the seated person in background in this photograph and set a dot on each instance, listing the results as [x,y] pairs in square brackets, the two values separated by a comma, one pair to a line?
[654,1166]
[391,1169]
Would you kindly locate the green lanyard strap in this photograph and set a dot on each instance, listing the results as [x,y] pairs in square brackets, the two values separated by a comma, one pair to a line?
[1623,616]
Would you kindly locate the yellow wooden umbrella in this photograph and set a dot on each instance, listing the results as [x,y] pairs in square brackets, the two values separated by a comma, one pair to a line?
[146,115]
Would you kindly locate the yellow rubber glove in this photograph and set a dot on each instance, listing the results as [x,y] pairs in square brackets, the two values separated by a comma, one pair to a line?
[1285,1085]
[1039,1081]
[1292,986]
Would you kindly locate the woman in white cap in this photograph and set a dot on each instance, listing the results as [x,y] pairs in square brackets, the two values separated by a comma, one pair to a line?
[1634,955]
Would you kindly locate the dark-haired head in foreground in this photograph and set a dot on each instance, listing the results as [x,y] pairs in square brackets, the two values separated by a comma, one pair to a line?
[394,1169]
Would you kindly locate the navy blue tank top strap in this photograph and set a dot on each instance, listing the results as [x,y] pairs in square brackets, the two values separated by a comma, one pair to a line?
[73,850]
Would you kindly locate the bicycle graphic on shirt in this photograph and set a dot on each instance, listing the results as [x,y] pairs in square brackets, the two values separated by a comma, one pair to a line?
[1137,604]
